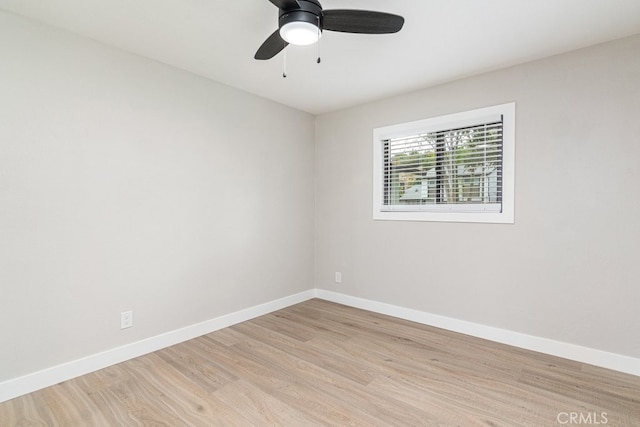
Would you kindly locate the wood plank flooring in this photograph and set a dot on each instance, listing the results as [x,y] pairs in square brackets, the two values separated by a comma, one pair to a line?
[321,363]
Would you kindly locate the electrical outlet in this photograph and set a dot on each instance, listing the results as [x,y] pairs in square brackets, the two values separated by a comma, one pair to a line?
[126,319]
[338,277]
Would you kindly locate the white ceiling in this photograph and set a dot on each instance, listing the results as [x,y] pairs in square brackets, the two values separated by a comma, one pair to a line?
[442,40]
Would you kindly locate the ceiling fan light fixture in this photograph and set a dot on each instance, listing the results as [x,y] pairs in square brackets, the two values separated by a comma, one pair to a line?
[302,22]
[300,33]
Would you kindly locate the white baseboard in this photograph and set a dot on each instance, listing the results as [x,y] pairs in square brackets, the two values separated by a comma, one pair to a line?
[29,383]
[616,362]
[66,371]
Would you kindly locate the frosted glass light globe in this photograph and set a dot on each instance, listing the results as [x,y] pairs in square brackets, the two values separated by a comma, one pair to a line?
[300,33]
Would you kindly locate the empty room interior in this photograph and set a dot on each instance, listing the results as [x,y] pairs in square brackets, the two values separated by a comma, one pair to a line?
[292,212]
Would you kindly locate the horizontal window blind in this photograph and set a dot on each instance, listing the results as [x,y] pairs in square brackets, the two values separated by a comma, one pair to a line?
[457,169]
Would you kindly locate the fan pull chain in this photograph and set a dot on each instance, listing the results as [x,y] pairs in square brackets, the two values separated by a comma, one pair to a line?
[319,37]
[284,65]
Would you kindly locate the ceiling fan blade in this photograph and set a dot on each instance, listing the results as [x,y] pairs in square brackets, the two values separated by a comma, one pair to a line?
[361,21]
[271,46]
[286,4]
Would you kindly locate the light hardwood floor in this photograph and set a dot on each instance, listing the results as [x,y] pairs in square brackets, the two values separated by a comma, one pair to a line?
[321,363]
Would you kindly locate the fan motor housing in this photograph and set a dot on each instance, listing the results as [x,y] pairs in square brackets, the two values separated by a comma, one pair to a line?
[310,11]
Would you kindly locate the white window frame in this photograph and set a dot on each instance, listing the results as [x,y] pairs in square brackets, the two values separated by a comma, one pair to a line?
[449,213]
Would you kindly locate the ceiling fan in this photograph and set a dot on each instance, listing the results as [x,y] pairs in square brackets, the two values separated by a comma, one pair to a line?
[302,22]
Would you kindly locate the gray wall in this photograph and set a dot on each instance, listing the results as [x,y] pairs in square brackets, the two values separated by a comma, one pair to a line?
[568,268]
[129,185]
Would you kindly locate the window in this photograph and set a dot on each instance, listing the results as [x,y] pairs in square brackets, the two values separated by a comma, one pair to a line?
[458,167]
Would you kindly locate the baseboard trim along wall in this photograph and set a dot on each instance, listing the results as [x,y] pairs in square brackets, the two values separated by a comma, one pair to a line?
[616,362]
[29,383]
[66,371]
